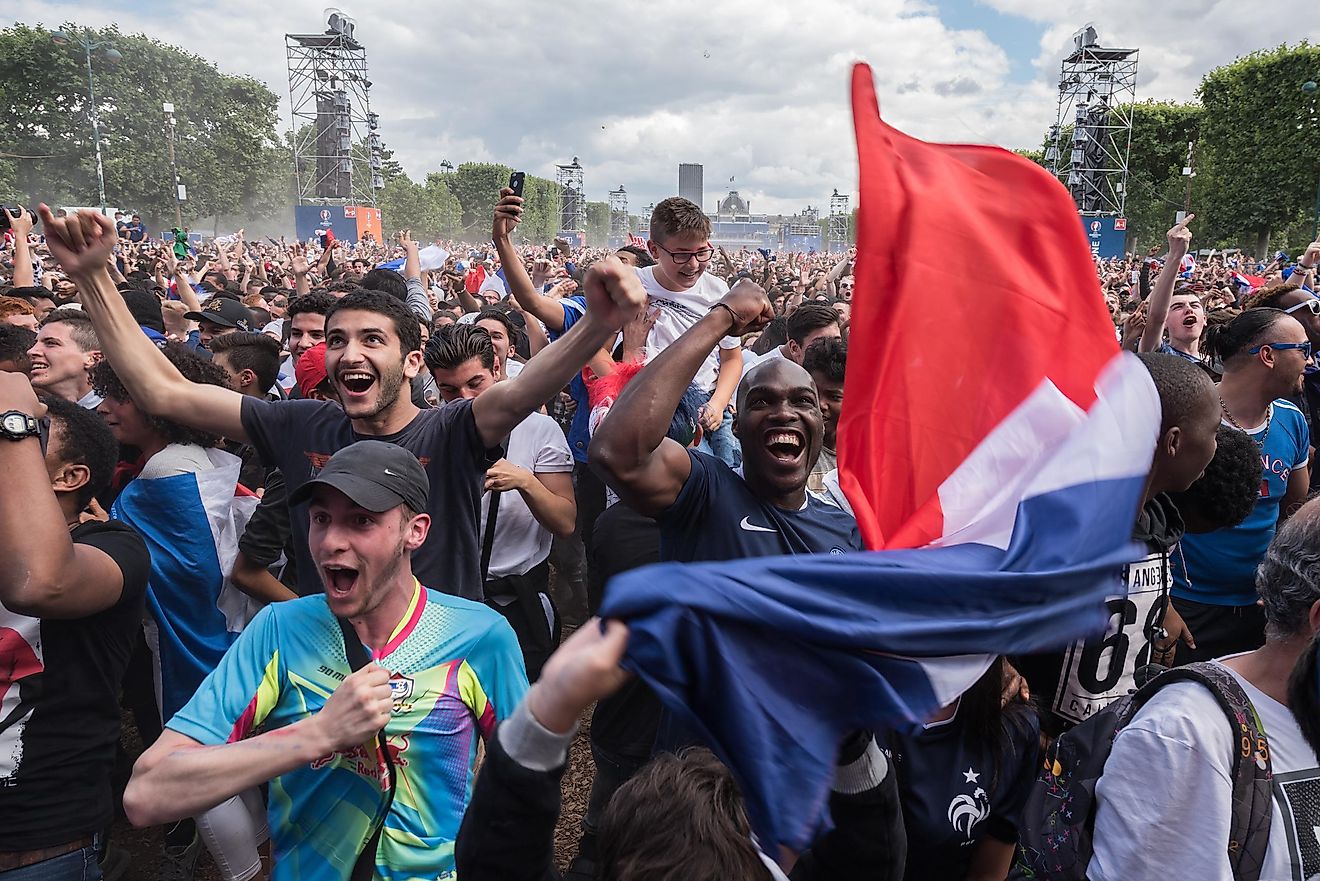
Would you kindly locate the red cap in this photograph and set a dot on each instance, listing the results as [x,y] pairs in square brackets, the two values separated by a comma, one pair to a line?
[309,371]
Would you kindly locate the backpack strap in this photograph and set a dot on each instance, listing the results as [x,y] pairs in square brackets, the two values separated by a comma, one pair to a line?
[356,653]
[1249,829]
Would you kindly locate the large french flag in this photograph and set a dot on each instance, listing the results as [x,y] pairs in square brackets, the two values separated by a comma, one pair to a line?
[191,524]
[994,446]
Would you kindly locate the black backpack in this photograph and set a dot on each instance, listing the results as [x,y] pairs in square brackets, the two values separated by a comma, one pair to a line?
[1058,820]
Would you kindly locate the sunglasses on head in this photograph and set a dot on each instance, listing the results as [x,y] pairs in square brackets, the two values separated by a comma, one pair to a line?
[1313,304]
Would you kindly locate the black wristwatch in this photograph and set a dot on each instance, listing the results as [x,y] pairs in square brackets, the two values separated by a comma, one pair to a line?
[17,425]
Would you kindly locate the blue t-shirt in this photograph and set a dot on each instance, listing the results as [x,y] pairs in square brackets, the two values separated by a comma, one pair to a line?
[1166,349]
[579,433]
[1219,568]
[717,517]
[456,672]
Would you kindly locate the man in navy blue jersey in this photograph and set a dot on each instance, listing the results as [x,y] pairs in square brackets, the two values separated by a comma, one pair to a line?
[706,510]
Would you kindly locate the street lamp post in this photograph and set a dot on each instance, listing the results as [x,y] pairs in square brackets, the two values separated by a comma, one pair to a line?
[174,168]
[1310,87]
[111,55]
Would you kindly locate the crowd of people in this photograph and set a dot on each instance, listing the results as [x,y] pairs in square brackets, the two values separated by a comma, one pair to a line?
[334,528]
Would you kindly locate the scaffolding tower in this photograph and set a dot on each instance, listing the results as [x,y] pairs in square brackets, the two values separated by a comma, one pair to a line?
[1091,138]
[572,208]
[838,222]
[618,217]
[336,145]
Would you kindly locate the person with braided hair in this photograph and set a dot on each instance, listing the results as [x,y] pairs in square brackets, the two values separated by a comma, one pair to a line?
[1263,353]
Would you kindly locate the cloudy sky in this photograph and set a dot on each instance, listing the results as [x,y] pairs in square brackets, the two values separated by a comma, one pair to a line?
[752,89]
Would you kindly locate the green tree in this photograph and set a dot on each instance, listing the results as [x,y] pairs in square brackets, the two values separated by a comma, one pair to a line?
[598,224]
[429,210]
[476,187]
[1259,150]
[1161,131]
[228,153]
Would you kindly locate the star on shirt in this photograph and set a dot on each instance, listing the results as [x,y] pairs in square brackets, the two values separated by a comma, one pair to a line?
[970,776]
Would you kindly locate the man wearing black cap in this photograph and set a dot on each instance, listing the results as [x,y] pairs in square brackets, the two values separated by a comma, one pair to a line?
[443,672]
[220,316]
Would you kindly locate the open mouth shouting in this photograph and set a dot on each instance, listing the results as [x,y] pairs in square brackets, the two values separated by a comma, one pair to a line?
[339,580]
[356,383]
[785,446]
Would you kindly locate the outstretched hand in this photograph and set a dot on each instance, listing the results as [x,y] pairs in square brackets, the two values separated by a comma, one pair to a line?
[82,242]
[1180,237]
[580,672]
[508,214]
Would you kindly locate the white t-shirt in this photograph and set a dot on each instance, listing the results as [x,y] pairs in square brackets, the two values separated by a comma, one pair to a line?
[537,444]
[512,368]
[679,310]
[1164,800]
[776,352]
[175,459]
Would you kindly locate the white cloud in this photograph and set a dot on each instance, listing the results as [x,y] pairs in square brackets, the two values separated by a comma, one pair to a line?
[1180,40]
[749,88]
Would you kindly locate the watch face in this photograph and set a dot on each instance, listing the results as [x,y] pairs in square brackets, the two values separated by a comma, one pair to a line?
[14,423]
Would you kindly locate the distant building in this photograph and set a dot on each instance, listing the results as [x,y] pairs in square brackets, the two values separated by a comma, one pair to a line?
[734,226]
[690,183]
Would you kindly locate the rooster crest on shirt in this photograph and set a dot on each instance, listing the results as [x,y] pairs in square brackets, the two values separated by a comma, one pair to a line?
[966,811]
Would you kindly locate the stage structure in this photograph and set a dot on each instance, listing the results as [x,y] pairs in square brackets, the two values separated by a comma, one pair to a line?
[572,207]
[618,217]
[1092,134]
[336,142]
[838,222]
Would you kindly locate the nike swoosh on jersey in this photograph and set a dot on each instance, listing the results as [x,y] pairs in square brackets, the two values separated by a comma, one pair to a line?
[752,527]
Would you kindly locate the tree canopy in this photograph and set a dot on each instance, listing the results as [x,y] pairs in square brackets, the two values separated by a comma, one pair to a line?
[229,154]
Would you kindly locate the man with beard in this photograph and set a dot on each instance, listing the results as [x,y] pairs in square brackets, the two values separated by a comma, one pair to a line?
[1264,352]
[705,509]
[373,351]
[286,706]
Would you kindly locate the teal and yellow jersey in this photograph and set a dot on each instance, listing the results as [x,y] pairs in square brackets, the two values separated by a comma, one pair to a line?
[456,671]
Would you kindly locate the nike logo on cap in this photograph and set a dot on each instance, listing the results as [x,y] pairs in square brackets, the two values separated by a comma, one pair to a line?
[752,527]
[391,473]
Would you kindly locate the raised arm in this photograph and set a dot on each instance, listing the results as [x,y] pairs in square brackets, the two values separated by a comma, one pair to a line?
[418,302]
[298,266]
[82,244]
[1180,239]
[46,575]
[508,213]
[21,224]
[182,282]
[614,294]
[630,450]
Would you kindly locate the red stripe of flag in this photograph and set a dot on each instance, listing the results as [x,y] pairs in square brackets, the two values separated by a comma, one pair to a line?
[974,283]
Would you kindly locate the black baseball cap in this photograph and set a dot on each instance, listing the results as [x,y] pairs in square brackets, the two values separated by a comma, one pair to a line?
[375,475]
[224,312]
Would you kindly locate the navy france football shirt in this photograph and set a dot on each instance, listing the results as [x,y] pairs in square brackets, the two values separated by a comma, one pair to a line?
[717,517]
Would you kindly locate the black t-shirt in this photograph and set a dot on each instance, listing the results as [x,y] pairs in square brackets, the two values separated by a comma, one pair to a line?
[625,722]
[299,437]
[268,534]
[717,517]
[59,705]
[956,790]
